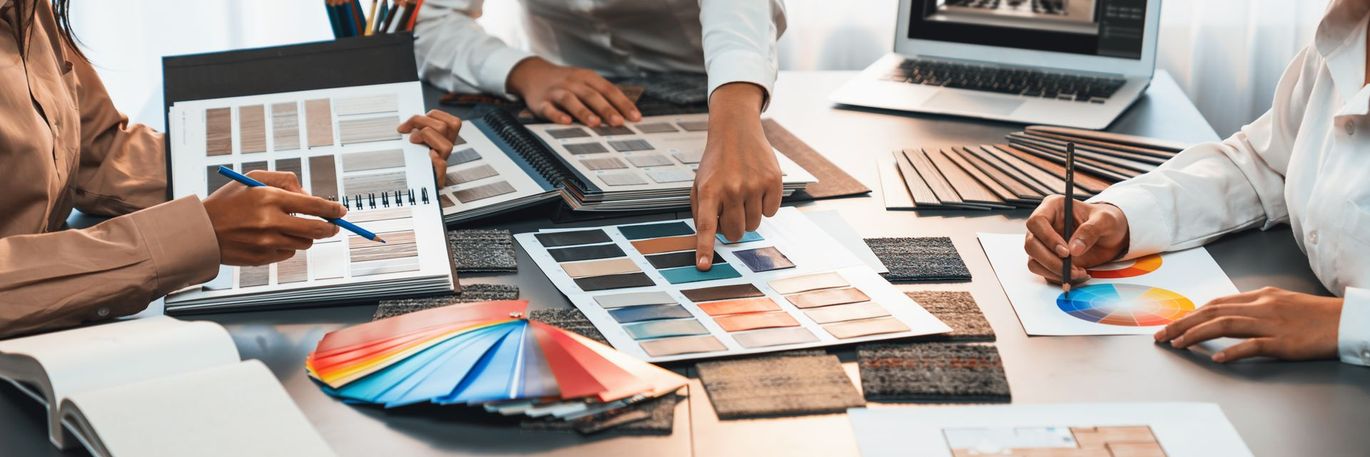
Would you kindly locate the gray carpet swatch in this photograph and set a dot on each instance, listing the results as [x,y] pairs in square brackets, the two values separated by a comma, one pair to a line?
[482,251]
[783,385]
[959,311]
[919,259]
[469,293]
[932,372]
[651,417]
[569,319]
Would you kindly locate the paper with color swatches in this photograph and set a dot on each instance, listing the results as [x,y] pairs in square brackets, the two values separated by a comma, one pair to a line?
[482,354]
[788,285]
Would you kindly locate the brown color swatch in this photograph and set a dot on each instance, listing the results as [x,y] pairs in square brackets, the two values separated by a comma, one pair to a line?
[686,345]
[294,269]
[805,283]
[918,188]
[373,160]
[285,126]
[753,321]
[848,312]
[615,266]
[218,131]
[827,297]
[832,180]
[1083,181]
[865,327]
[668,244]
[254,276]
[483,191]
[291,166]
[397,245]
[319,122]
[939,184]
[740,305]
[214,180]
[722,293]
[1014,185]
[970,189]
[252,128]
[323,176]
[249,167]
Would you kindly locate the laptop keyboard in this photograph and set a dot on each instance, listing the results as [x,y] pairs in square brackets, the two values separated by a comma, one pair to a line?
[1028,83]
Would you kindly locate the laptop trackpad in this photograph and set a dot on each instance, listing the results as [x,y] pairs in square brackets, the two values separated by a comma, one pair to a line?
[963,101]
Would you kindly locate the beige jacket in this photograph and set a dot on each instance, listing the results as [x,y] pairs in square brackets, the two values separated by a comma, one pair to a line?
[63,145]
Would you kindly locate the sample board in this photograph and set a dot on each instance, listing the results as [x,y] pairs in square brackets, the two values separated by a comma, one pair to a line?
[788,285]
[342,144]
[1132,297]
[1064,430]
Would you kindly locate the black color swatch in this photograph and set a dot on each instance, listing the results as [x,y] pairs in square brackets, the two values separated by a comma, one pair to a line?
[591,252]
[677,259]
[607,282]
[558,239]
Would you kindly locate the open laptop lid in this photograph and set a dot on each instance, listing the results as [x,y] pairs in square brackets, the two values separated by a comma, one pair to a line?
[1102,36]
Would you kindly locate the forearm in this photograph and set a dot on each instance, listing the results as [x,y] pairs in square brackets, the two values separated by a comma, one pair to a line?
[456,54]
[65,278]
[739,40]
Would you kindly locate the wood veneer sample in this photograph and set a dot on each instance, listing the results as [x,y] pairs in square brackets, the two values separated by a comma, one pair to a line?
[970,189]
[918,187]
[1083,161]
[323,177]
[285,126]
[318,116]
[832,180]
[1134,140]
[218,131]
[1030,165]
[1058,142]
[1085,181]
[1020,191]
[996,159]
[938,183]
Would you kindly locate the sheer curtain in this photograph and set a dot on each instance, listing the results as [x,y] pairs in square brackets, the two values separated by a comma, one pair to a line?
[1227,55]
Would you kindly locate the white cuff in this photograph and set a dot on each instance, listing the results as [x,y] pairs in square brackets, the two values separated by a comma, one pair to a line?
[1353,333]
[493,74]
[1148,229]
[742,66]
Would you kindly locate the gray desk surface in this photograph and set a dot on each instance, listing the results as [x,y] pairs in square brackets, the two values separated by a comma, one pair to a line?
[1293,409]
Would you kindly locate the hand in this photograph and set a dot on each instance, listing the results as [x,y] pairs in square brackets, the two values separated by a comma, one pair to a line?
[559,93]
[739,178]
[437,129]
[1100,236]
[254,225]
[1276,323]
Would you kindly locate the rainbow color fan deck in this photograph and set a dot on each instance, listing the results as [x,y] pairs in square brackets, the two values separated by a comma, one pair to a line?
[482,354]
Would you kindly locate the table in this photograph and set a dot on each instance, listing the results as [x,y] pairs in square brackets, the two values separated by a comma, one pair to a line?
[1311,408]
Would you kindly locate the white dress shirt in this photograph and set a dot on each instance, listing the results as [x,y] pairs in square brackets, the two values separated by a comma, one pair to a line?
[730,40]
[1305,162]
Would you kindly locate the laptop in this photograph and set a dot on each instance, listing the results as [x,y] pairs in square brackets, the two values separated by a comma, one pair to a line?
[1074,63]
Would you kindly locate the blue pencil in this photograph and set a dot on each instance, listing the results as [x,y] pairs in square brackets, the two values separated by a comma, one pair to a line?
[249,182]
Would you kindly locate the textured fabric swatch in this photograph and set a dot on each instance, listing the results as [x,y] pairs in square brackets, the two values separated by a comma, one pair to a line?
[569,319]
[784,385]
[651,417]
[469,293]
[477,251]
[932,372]
[959,311]
[919,259]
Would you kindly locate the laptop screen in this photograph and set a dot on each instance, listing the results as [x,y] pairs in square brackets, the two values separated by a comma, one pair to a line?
[1110,28]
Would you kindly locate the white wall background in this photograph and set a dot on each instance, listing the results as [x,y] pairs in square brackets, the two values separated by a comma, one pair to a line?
[1226,54]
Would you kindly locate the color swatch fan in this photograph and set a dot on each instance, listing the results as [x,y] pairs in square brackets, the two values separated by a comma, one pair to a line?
[482,354]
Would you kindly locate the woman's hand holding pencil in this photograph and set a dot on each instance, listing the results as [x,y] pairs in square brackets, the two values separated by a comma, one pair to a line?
[1100,236]
[255,226]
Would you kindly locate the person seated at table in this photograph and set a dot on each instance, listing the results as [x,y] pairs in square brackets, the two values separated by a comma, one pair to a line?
[1306,161]
[63,145]
[733,41]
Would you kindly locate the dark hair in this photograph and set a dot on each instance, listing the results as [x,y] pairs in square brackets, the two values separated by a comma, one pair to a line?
[61,12]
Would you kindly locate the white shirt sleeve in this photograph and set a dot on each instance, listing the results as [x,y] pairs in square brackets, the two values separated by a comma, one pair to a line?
[1353,333]
[1213,189]
[739,40]
[455,53]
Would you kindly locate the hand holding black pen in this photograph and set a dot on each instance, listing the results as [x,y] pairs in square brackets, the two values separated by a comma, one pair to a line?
[1065,237]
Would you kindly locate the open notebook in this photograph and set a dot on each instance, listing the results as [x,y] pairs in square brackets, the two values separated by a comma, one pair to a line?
[647,165]
[343,145]
[157,387]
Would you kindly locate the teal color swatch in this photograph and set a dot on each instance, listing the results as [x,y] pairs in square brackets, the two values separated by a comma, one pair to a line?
[690,274]
[746,238]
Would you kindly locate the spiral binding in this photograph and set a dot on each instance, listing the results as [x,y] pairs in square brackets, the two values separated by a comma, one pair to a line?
[526,145]
[397,198]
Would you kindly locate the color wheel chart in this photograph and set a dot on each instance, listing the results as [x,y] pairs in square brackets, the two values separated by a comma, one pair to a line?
[1125,304]
[1136,267]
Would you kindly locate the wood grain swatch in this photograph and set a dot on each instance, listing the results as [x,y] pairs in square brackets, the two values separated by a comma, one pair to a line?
[397,245]
[319,122]
[252,128]
[218,131]
[285,126]
[832,180]
[323,176]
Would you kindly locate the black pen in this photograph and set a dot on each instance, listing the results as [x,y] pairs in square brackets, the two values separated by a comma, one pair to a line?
[1069,223]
